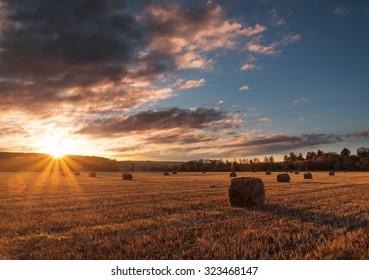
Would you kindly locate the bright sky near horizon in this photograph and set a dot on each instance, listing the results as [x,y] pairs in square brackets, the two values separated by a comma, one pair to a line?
[181,80]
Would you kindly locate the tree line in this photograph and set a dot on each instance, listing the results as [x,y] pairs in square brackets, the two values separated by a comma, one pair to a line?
[313,161]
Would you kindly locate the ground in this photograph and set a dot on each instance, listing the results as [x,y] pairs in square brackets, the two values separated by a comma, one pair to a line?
[183,216]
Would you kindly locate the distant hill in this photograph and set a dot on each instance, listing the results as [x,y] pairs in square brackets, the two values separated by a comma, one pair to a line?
[42,162]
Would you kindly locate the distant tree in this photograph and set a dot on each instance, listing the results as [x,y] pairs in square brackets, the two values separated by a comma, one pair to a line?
[293,156]
[320,153]
[362,152]
[300,157]
[311,155]
[345,152]
[363,164]
[266,159]
[271,159]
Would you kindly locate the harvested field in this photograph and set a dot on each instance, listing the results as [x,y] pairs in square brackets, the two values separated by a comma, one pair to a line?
[187,216]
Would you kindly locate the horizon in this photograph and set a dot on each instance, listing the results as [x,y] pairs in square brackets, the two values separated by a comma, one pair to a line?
[183,80]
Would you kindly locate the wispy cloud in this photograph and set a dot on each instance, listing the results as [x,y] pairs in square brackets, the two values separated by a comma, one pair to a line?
[260,49]
[341,12]
[244,88]
[248,66]
[153,120]
[273,48]
[182,84]
[301,101]
[275,18]
[262,120]
[290,39]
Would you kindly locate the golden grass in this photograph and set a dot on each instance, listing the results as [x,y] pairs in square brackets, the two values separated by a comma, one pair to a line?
[186,216]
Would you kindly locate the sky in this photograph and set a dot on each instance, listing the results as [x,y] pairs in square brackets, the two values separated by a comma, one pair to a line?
[183,80]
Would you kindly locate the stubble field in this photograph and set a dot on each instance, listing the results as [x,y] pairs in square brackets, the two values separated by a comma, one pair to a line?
[183,216]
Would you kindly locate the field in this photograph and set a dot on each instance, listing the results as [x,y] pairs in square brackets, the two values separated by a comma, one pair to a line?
[183,216]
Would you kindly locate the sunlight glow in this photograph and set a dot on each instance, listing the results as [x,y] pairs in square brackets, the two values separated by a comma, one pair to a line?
[57,146]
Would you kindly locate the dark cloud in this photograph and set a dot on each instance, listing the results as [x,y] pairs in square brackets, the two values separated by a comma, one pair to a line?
[154,120]
[96,55]
[51,47]
[276,143]
[187,144]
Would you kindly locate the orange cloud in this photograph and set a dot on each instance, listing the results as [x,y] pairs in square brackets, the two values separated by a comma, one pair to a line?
[181,84]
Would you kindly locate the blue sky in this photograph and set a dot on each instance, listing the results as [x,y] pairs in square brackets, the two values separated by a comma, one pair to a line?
[180,80]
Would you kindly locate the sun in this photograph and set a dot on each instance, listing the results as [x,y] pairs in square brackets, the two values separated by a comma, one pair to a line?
[56,152]
[57,147]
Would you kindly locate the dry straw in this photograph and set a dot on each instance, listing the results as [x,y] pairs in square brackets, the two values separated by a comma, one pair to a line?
[283,177]
[246,192]
[127,176]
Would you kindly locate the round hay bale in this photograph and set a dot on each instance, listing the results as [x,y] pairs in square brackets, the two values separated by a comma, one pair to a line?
[283,177]
[308,175]
[63,174]
[77,173]
[174,172]
[203,172]
[166,173]
[127,176]
[92,174]
[233,174]
[345,171]
[246,192]
[332,173]
[268,173]
[297,173]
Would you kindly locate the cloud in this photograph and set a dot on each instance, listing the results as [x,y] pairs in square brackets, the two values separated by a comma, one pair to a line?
[262,120]
[275,18]
[290,39]
[77,57]
[276,143]
[65,53]
[181,84]
[153,120]
[247,67]
[12,130]
[266,50]
[220,101]
[301,101]
[341,12]
[186,35]
[244,88]
[362,133]
[184,143]
[273,48]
